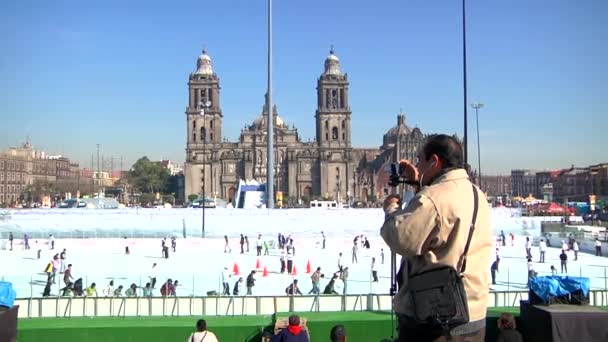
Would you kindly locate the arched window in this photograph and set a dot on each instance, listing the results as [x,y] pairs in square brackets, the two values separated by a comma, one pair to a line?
[211,124]
[203,134]
[193,137]
[211,136]
[194,125]
[343,123]
[334,133]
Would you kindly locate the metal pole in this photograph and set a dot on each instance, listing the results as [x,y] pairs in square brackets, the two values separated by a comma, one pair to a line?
[476,106]
[464,72]
[269,160]
[98,172]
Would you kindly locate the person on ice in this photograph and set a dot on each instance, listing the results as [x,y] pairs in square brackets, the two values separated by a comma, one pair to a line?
[226,246]
[293,288]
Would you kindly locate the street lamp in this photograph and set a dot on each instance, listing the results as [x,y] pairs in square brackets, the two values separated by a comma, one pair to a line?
[477,106]
[204,105]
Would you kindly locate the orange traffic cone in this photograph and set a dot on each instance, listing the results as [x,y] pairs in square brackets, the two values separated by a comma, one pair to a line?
[265,274]
[235,270]
[257,264]
[308,267]
[295,273]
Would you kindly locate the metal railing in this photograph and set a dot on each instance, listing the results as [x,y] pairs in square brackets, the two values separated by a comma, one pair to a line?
[233,305]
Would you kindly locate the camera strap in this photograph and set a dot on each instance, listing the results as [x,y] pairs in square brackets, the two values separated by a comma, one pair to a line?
[471,229]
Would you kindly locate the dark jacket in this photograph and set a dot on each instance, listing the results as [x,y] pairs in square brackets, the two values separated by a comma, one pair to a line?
[250,280]
[285,336]
[509,336]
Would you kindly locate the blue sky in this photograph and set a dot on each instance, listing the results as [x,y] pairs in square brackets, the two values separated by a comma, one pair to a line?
[78,73]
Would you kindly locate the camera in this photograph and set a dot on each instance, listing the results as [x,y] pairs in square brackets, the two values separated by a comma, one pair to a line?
[395,177]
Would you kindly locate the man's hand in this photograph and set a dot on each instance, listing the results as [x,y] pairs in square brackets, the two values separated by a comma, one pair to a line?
[390,200]
[410,171]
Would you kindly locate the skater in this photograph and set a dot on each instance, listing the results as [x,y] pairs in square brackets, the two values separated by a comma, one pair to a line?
[173,244]
[26,241]
[528,247]
[247,243]
[553,270]
[563,261]
[167,289]
[91,291]
[225,276]
[329,289]
[293,288]
[147,290]
[250,282]
[374,270]
[38,254]
[49,272]
[127,251]
[289,262]
[565,246]
[497,254]
[340,262]
[67,276]
[290,248]
[47,289]
[366,243]
[109,291]
[575,248]
[598,247]
[542,247]
[382,255]
[531,273]
[118,291]
[62,257]
[344,278]
[226,246]
[354,251]
[153,275]
[283,262]
[266,248]
[258,245]
[51,241]
[56,266]
[503,238]
[238,287]
[131,291]
[512,239]
[323,234]
[493,271]
[10,239]
[316,279]
[166,252]
[242,243]
[162,248]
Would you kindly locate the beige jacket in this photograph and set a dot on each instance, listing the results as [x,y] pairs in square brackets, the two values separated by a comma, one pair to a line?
[432,232]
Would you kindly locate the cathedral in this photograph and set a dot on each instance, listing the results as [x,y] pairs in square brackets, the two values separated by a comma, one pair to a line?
[326,168]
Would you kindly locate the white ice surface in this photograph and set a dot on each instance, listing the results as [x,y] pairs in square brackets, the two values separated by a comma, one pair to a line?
[197,263]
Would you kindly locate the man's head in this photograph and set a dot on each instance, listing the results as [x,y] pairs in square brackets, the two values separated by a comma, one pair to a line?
[294,320]
[439,153]
[70,266]
[318,269]
[201,325]
[338,334]
[295,282]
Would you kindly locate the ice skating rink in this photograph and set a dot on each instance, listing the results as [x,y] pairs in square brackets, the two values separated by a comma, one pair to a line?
[198,263]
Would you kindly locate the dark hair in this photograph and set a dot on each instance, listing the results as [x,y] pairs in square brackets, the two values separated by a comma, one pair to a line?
[337,333]
[446,147]
[201,325]
[294,320]
[70,265]
[506,321]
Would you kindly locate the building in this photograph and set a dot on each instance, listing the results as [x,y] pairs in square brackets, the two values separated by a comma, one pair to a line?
[496,185]
[328,167]
[24,170]
[523,183]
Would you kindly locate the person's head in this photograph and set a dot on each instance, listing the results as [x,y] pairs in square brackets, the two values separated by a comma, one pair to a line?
[111,282]
[542,240]
[440,152]
[373,259]
[176,282]
[338,333]
[170,281]
[70,266]
[563,251]
[295,281]
[119,287]
[201,325]
[253,272]
[318,269]
[294,320]
[154,265]
[240,279]
[529,259]
[133,286]
[148,285]
[506,321]
[340,254]
[93,285]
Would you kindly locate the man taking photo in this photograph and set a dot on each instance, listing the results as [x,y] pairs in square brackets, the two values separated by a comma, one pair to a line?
[431,233]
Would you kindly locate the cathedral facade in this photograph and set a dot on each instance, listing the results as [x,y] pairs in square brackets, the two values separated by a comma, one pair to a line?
[328,167]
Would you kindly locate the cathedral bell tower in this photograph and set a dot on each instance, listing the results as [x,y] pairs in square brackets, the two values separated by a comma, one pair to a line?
[204,96]
[333,110]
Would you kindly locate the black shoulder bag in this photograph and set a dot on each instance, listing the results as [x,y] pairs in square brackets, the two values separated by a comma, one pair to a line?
[438,295]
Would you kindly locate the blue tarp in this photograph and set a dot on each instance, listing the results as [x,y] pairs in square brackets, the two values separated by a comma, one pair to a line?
[7,294]
[558,286]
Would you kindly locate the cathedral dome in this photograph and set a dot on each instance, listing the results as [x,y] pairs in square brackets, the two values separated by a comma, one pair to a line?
[400,130]
[332,64]
[203,64]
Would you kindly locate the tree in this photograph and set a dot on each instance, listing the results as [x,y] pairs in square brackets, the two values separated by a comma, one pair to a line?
[146,199]
[192,197]
[148,177]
